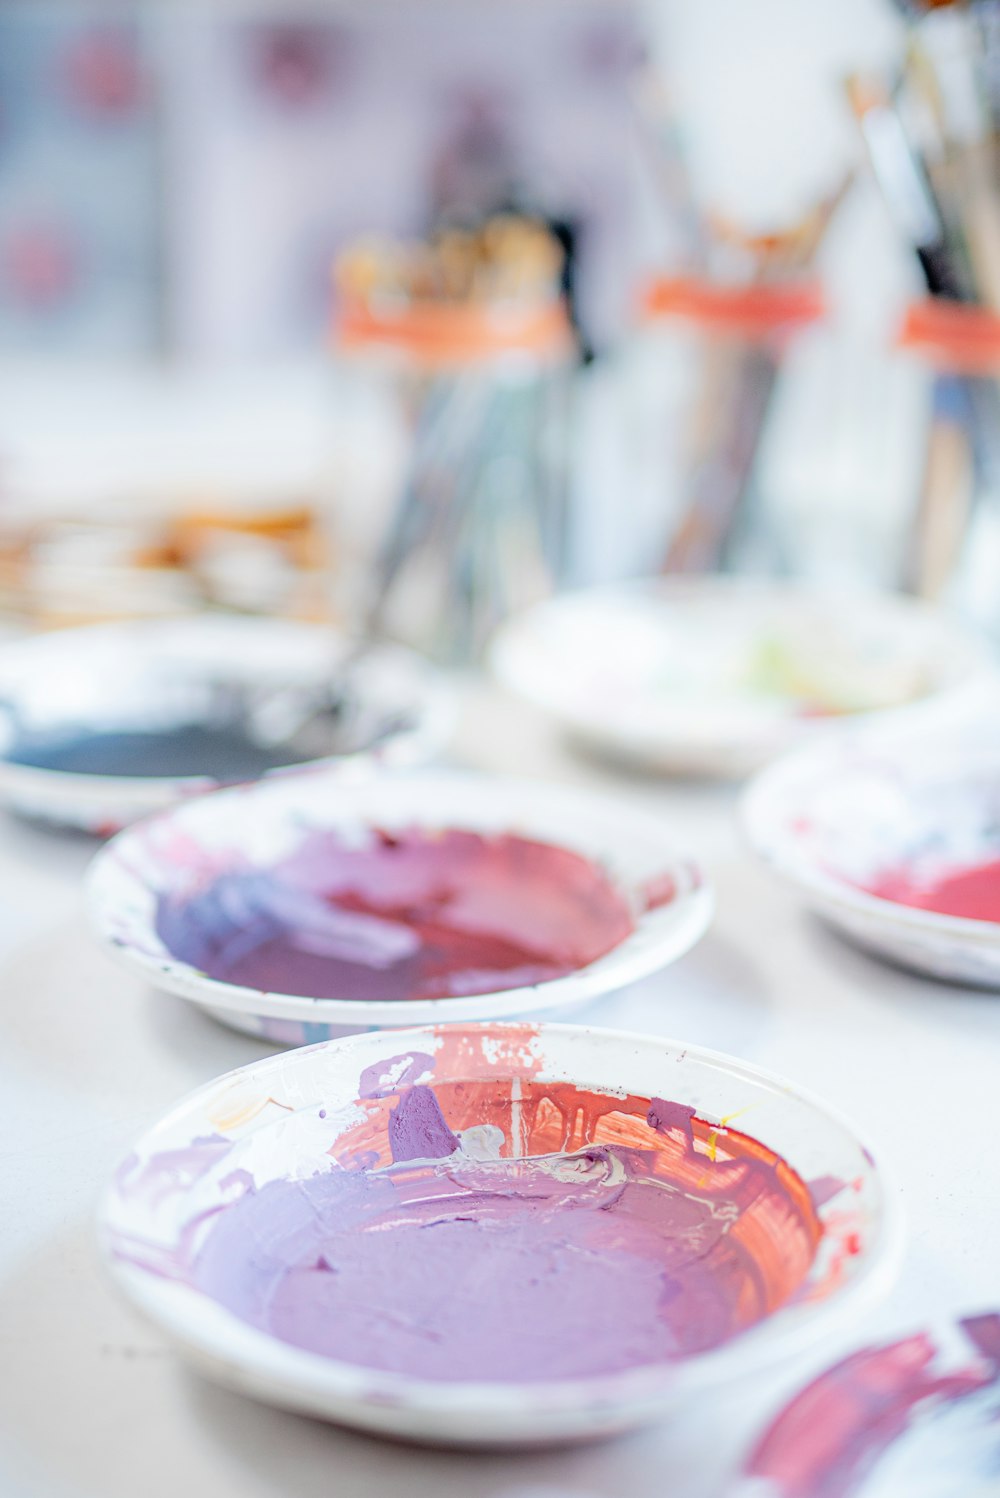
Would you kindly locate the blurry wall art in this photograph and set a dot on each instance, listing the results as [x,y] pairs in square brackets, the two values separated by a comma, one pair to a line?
[79,163]
[182,176]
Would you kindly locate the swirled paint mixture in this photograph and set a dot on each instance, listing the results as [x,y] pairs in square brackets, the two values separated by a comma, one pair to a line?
[412,914]
[454,1261]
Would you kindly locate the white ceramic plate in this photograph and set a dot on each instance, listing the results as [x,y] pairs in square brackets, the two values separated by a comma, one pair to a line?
[153,674]
[282,1119]
[919,1418]
[836,819]
[715,676]
[256,827]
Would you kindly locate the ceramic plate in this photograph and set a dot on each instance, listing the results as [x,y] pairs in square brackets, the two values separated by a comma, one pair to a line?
[919,1418]
[715,676]
[66,693]
[495,1142]
[876,830]
[228,871]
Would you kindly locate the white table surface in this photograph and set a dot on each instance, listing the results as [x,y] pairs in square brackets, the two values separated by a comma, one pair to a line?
[93,1404]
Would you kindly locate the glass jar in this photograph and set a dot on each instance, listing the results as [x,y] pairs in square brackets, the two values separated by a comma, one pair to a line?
[477,525]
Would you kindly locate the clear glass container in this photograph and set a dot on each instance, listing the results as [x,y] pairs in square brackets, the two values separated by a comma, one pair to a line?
[477,521]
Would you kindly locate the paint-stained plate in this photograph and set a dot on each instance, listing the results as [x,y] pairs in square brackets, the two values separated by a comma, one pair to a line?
[104,724]
[716,676]
[894,838]
[266,1225]
[917,1418]
[306,906]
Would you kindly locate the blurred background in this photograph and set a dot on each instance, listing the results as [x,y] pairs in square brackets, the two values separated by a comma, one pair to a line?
[404,313]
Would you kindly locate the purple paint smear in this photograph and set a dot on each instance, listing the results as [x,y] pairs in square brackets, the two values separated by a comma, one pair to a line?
[417,1130]
[666,1117]
[377,1080]
[823,1189]
[445,1267]
[170,1170]
[412,915]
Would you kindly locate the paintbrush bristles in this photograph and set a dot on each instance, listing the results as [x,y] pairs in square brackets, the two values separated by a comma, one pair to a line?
[508,259]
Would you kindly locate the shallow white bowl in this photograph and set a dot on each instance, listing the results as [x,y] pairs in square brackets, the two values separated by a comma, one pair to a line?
[269,1114]
[836,816]
[256,826]
[655,673]
[108,676]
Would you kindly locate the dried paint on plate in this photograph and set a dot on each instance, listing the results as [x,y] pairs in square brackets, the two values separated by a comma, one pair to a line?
[408,914]
[918,1418]
[480,1230]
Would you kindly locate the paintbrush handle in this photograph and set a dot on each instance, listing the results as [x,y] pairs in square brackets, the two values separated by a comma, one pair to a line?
[721,481]
[946,494]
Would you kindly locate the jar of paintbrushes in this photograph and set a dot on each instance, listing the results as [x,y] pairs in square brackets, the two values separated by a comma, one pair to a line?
[469,334]
[932,131]
[727,325]
[954,551]
[731,340]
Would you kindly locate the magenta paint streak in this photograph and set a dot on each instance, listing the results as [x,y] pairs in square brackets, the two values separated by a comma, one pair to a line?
[447,1267]
[970,892]
[831,1437]
[409,915]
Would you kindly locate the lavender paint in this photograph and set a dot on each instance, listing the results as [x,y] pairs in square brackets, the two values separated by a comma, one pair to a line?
[445,1266]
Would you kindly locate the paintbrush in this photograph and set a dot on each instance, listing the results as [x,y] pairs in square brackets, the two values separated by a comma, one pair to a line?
[914,210]
[938,234]
[659,139]
[945,502]
[742,377]
[945,80]
[906,188]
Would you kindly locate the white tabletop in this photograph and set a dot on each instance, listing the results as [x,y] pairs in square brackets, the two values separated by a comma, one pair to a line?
[92,1402]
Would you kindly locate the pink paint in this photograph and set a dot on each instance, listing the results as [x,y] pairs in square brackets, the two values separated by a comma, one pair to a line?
[458,1261]
[407,915]
[973,893]
[659,891]
[830,1439]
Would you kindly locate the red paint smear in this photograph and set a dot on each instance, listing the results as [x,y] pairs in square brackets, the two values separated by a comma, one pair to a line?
[512,1046]
[972,893]
[659,891]
[456,912]
[833,1433]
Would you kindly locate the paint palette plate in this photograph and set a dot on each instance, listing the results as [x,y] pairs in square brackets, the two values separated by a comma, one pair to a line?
[715,676]
[896,842]
[498,1234]
[103,724]
[919,1418]
[305,907]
